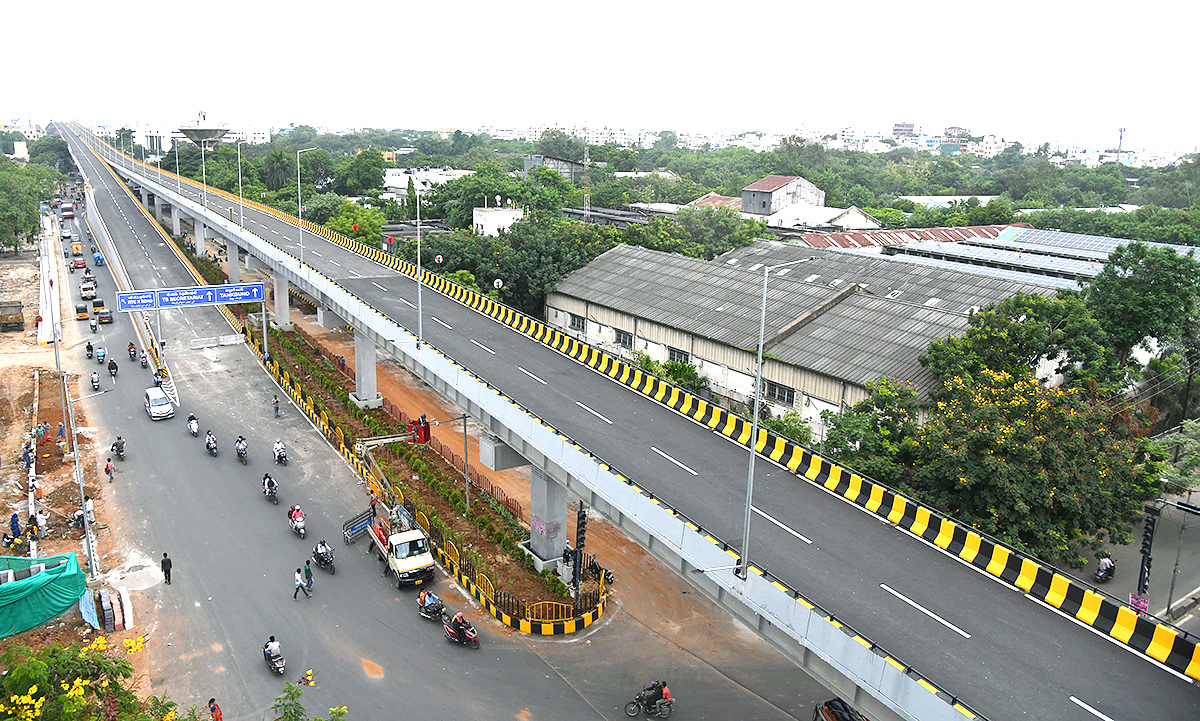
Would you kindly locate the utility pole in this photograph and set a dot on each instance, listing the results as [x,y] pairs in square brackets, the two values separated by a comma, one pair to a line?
[1120,144]
[587,186]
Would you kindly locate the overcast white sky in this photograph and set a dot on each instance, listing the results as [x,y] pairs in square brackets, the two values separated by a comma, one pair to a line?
[1073,72]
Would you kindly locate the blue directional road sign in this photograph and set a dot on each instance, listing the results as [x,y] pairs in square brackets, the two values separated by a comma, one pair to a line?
[209,295]
[134,300]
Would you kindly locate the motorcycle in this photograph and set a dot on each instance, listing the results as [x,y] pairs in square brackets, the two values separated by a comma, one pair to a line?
[469,636]
[92,323]
[638,705]
[272,495]
[90,351]
[112,370]
[433,611]
[243,455]
[145,361]
[132,353]
[274,661]
[211,445]
[297,525]
[194,427]
[119,450]
[95,382]
[100,356]
[281,457]
[1106,576]
[324,560]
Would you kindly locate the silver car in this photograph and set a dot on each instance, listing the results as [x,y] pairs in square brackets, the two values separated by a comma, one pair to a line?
[158,405]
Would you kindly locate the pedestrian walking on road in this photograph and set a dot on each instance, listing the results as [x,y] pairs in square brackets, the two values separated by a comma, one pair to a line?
[300,586]
[109,470]
[166,567]
[307,575]
[214,710]
[275,405]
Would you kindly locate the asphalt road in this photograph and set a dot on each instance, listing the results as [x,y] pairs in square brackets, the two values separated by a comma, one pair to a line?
[234,558]
[1007,656]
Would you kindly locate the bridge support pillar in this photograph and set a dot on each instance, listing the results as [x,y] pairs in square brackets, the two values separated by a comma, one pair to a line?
[330,320]
[200,233]
[283,311]
[233,255]
[175,216]
[547,518]
[145,197]
[365,394]
[253,263]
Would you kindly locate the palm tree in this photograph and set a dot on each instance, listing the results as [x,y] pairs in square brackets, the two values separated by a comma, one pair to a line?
[276,169]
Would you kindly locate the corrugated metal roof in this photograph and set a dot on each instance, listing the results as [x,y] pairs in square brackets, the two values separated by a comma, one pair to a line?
[858,340]
[878,238]
[954,290]
[771,183]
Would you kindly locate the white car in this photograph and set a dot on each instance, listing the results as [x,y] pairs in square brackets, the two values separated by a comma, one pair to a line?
[158,405]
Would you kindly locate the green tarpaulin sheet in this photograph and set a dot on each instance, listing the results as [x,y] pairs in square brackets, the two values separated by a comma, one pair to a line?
[29,600]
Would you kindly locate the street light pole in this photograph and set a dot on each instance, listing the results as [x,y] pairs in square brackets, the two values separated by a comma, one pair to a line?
[420,315]
[299,208]
[178,177]
[241,205]
[743,564]
[203,176]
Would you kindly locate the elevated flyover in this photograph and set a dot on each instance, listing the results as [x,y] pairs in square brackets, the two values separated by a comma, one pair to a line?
[832,551]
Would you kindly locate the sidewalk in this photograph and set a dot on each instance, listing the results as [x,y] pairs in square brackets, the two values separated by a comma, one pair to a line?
[648,598]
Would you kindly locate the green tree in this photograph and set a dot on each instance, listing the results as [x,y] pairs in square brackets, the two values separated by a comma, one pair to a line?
[1182,471]
[410,201]
[1047,470]
[558,144]
[1142,292]
[369,222]
[359,174]
[320,208]
[790,425]
[878,436]
[537,252]
[276,169]
[52,152]
[1015,335]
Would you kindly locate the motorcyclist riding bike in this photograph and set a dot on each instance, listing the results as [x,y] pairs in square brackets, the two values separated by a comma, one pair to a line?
[209,439]
[271,648]
[132,351]
[95,379]
[92,323]
[269,484]
[240,445]
[657,694]
[90,349]
[112,367]
[278,448]
[193,424]
[322,548]
[295,513]
[145,360]
[458,626]
[118,446]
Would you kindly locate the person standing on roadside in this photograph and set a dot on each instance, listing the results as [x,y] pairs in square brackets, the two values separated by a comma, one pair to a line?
[166,568]
[308,580]
[214,710]
[300,586]
[275,405]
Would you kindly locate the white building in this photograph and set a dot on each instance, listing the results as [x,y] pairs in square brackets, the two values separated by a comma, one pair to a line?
[395,180]
[490,221]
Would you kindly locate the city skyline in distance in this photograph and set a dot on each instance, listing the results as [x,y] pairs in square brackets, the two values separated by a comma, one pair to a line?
[1033,73]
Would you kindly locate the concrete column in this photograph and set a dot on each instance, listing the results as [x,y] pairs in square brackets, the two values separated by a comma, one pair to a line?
[328,319]
[145,197]
[365,394]
[547,516]
[283,311]
[175,216]
[161,213]
[253,263]
[233,254]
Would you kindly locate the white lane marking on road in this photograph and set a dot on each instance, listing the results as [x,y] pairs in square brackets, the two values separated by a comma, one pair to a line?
[1089,709]
[1108,638]
[539,380]
[355,274]
[185,320]
[924,610]
[664,455]
[589,410]
[276,232]
[405,302]
[1183,599]
[314,252]
[379,286]
[489,350]
[442,323]
[336,263]
[778,523]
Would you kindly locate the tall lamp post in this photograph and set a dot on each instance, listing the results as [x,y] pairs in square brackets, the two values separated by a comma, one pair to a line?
[420,315]
[300,205]
[178,176]
[241,206]
[743,565]
[202,134]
